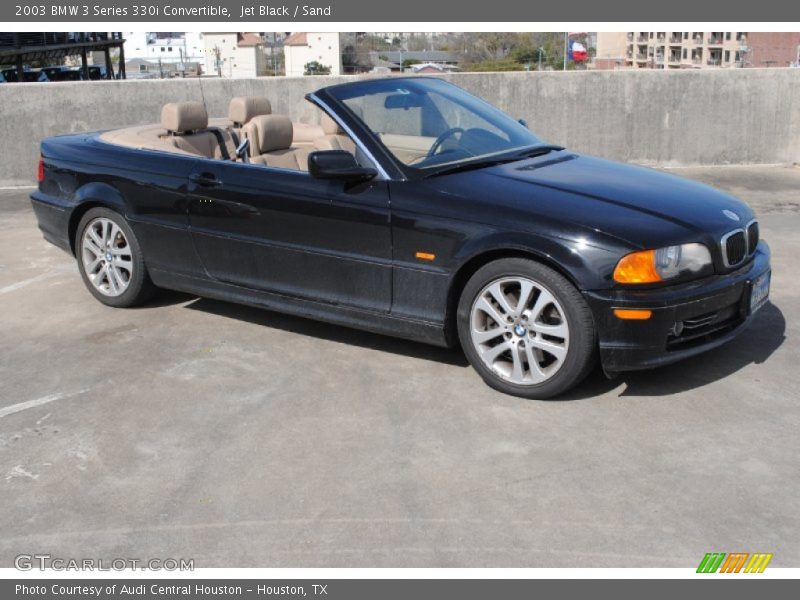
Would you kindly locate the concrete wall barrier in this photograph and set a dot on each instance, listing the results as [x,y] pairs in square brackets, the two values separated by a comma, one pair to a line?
[666,118]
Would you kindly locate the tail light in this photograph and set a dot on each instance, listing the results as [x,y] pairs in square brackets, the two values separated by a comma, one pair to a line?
[40,172]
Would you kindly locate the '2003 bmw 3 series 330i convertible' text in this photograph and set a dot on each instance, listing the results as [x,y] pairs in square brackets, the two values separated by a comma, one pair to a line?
[413,209]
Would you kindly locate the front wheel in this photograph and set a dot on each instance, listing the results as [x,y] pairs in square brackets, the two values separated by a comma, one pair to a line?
[526,329]
[110,259]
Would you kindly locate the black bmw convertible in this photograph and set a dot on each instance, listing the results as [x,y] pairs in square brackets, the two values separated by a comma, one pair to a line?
[417,210]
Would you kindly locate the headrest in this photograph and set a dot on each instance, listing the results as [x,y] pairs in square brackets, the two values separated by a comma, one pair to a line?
[184,116]
[273,132]
[329,126]
[244,108]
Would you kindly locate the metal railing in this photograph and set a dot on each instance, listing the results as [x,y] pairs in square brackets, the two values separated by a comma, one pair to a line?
[10,40]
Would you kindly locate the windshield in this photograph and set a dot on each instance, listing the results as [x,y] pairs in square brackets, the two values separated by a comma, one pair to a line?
[428,123]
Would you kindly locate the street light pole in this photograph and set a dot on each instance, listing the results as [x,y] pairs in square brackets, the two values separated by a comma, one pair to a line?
[401,53]
[566,50]
[274,65]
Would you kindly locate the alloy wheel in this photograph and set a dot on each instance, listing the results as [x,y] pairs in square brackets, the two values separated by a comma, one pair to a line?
[519,330]
[106,257]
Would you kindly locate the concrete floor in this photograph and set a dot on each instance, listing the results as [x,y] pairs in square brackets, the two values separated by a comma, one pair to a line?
[197,429]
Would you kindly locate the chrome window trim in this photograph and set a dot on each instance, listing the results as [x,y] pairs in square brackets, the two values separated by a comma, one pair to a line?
[383,175]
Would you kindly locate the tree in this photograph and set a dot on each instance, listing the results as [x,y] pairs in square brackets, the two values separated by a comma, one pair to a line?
[349,59]
[316,68]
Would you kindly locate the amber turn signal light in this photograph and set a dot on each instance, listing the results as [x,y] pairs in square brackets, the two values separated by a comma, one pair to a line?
[632,315]
[425,255]
[637,267]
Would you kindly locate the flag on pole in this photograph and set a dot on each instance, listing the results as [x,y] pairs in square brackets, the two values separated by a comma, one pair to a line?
[577,51]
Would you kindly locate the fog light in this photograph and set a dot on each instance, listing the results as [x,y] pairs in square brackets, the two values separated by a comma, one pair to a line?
[677,329]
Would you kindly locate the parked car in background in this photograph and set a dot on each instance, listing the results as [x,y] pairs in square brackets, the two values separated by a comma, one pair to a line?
[45,74]
[416,210]
[28,76]
[98,72]
[62,73]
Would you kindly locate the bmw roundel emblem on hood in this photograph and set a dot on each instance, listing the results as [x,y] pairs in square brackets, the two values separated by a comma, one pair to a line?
[731,215]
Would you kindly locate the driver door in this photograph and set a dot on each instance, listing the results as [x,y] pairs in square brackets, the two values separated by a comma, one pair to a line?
[283,231]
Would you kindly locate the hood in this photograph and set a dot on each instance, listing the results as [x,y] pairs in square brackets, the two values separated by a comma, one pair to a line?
[633,203]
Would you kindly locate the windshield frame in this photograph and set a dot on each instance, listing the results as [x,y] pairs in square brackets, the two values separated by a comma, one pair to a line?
[336,95]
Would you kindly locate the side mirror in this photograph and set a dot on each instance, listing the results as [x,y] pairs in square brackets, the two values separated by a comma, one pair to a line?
[339,165]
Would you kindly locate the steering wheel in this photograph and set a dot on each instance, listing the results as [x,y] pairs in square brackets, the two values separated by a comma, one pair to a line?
[441,139]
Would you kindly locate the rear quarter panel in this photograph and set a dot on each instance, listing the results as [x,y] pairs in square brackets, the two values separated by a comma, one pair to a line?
[147,187]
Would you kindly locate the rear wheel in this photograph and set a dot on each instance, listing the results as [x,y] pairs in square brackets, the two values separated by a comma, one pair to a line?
[110,259]
[526,329]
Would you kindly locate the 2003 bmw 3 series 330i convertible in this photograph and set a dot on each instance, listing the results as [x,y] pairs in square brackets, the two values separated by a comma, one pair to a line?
[417,210]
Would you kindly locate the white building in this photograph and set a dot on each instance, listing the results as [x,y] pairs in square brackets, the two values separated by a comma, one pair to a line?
[232,54]
[302,48]
[171,48]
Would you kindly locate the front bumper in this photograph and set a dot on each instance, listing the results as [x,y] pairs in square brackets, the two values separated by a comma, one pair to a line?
[712,311]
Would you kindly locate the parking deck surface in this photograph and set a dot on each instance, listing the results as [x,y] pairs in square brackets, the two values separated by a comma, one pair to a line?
[192,428]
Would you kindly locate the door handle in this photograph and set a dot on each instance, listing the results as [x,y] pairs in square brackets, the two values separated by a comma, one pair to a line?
[205,179]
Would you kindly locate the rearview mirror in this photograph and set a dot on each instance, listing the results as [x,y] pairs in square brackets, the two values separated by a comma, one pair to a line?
[403,101]
[338,164]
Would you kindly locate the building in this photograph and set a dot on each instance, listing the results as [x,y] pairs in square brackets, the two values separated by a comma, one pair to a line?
[610,50]
[301,48]
[672,50]
[433,68]
[774,49]
[167,51]
[232,54]
[139,68]
[439,57]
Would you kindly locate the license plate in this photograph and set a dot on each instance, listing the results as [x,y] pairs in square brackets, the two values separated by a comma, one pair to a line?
[759,293]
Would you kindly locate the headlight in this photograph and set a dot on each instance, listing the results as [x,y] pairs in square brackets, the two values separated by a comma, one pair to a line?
[651,266]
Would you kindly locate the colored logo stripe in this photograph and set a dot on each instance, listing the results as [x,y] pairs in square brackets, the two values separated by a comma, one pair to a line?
[711,562]
[758,563]
[735,561]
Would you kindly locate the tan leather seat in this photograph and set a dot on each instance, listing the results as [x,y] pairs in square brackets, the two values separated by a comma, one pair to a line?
[305,134]
[243,108]
[187,129]
[271,143]
[335,138]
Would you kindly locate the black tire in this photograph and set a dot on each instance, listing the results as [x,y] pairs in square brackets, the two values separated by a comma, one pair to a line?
[581,350]
[139,287]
